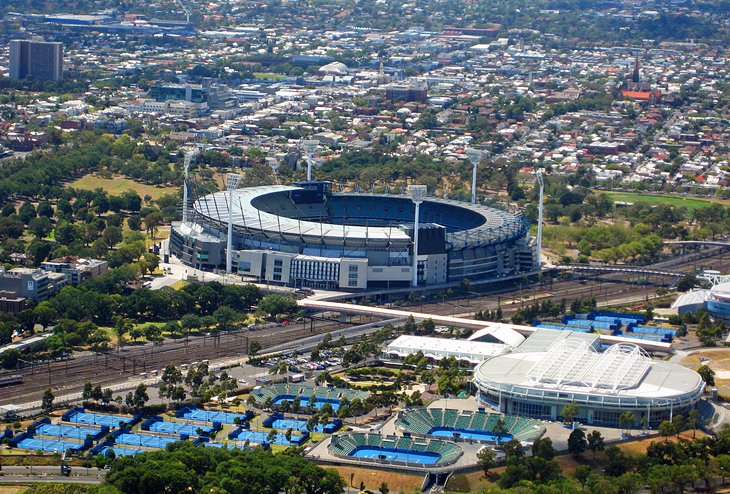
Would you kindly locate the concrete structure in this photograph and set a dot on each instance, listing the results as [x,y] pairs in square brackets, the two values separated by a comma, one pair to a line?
[76,269]
[306,235]
[603,385]
[32,284]
[36,59]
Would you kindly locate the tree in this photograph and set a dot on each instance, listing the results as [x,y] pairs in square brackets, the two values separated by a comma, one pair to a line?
[86,393]
[626,420]
[666,429]
[271,436]
[384,489]
[577,443]
[707,375]
[486,458]
[543,448]
[47,401]
[254,347]
[694,421]
[595,442]
[274,304]
[140,397]
[570,411]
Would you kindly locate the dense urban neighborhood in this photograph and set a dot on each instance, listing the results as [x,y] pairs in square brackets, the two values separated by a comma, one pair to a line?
[314,247]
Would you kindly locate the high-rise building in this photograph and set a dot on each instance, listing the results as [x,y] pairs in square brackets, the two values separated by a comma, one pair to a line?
[36,58]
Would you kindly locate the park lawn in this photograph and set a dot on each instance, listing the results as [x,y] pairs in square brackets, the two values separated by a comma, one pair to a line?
[690,203]
[118,184]
[267,76]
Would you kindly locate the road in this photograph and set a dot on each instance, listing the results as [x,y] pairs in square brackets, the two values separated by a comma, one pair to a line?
[121,369]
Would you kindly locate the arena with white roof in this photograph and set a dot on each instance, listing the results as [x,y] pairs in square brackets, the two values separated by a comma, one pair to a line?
[623,378]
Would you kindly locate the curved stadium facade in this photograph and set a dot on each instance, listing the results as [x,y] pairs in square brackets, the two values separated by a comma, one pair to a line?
[307,235]
[602,384]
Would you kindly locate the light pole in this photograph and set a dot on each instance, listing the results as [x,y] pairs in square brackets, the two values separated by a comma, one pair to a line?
[188,159]
[309,147]
[475,157]
[418,194]
[232,181]
[541,183]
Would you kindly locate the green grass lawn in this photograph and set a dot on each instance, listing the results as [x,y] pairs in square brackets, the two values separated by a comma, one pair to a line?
[117,185]
[636,197]
[268,76]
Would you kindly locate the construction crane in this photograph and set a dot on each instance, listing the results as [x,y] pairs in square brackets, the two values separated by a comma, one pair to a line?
[185,9]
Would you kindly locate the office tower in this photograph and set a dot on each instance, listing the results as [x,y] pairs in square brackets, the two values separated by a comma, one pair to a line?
[35,58]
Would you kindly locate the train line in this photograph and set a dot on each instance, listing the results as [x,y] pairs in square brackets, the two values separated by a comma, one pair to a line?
[115,365]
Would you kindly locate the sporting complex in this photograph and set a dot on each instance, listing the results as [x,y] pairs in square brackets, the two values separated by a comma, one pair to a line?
[540,377]
[306,235]
[482,426]
[309,396]
[392,450]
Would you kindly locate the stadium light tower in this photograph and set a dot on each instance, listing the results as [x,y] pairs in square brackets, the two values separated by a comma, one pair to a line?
[189,155]
[232,181]
[309,147]
[475,156]
[418,194]
[541,183]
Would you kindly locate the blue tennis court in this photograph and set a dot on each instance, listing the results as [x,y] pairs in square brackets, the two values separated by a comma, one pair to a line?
[213,416]
[119,451]
[304,400]
[180,428]
[145,441]
[66,431]
[49,445]
[487,436]
[405,456]
[262,437]
[97,419]
[297,425]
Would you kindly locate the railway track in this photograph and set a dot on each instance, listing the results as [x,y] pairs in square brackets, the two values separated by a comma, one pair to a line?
[115,366]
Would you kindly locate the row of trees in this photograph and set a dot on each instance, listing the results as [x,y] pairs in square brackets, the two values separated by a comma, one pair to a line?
[185,468]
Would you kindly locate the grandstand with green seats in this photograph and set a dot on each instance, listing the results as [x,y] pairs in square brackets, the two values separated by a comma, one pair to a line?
[391,450]
[309,396]
[479,426]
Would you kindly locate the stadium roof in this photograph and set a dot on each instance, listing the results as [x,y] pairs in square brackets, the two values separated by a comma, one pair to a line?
[499,332]
[544,338]
[493,225]
[571,366]
[572,361]
[246,215]
[440,348]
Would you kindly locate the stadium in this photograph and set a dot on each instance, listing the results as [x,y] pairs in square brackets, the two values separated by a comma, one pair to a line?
[541,377]
[306,235]
[468,425]
[390,450]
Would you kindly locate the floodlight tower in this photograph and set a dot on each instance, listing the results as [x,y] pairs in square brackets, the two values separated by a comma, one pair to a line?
[309,147]
[189,155]
[541,183]
[475,156]
[418,194]
[232,181]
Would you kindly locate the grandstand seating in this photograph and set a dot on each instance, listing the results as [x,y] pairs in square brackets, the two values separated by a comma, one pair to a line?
[275,391]
[345,445]
[422,420]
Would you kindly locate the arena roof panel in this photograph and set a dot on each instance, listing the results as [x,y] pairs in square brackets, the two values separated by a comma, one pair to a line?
[629,375]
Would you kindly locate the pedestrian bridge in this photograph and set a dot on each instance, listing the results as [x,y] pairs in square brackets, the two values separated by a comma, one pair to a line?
[622,268]
[510,334]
